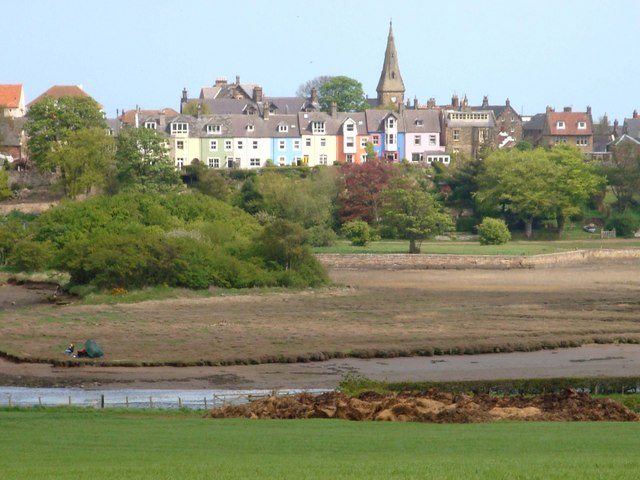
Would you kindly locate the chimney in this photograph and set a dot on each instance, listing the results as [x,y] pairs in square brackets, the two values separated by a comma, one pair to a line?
[401,108]
[485,101]
[265,111]
[588,109]
[635,114]
[184,95]
[162,121]
[465,102]
[257,94]
[567,109]
[455,101]
[431,103]
[221,81]
[333,109]
[549,109]
[237,79]
[615,127]
[415,103]
[314,95]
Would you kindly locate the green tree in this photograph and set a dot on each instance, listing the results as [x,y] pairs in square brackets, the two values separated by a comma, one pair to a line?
[195,108]
[84,160]
[358,232]
[5,190]
[51,120]
[143,162]
[371,152]
[623,175]
[415,214]
[346,92]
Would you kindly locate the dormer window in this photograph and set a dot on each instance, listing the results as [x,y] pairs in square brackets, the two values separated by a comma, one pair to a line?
[179,127]
[214,128]
[150,125]
[560,125]
[419,123]
[350,127]
[250,128]
[582,125]
[391,122]
[283,128]
[317,127]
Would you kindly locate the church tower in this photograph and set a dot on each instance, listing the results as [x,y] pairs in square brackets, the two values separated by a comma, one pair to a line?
[390,87]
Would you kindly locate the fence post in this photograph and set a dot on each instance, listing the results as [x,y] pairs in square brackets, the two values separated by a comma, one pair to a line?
[126,401]
[69,400]
[9,399]
[40,401]
[179,402]
[205,403]
[150,402]
[102,400]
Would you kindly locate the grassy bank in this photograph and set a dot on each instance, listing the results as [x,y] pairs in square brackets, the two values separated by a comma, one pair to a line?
[59,444]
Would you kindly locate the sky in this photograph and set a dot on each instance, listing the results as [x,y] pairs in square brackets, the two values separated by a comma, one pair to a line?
[143,53]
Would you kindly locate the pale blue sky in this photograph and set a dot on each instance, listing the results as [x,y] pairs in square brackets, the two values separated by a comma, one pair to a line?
[128,53]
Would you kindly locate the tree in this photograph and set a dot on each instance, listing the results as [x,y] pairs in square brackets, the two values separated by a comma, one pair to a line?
[363,183]
[5,190]
[51,120]
[371,152]
[84,160]
[346,92]
[358,232]
[623,174]
[143,162]
[414,213]
[195,108]
[493,231]
[304,90]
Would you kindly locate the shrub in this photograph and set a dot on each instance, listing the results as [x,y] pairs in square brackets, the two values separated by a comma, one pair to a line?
[358,232]
[466,224]
[321,236]
[30,256]
[493,231]
[626,224]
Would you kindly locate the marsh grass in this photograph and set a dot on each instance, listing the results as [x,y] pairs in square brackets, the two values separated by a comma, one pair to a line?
[123,445]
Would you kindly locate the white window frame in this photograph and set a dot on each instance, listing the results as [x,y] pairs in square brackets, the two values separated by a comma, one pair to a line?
[363,142]
[308,142]
[282,160]
[179,127]
[560,125]
[179,144]
[318,127]
[255,144]
[417,140]
[283,128]
[228,145]
[254,162]
[323,142]
[296,144]
[350,127]
[213,145]
[239,144]
[282,145]
[151,125]
[350,142]
[213,162]
[582,125]
[433,140]
[216,129]
[323,159]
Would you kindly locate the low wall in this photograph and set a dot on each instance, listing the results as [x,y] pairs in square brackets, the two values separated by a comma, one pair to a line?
[401,261]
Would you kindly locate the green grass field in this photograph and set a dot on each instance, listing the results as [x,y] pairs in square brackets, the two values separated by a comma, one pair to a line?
[60,443]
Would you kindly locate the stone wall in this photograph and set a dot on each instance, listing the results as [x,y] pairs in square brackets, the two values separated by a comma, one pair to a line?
[425,262]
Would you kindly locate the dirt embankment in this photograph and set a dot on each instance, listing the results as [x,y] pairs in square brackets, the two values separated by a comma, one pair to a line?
[432,407]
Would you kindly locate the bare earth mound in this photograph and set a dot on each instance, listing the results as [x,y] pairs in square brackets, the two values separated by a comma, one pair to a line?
[432,407]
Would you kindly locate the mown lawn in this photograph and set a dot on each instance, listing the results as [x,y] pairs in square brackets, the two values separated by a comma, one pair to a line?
[53,444]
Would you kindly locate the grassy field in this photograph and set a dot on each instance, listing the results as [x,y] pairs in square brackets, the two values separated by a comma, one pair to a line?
[518,247]
[53,444]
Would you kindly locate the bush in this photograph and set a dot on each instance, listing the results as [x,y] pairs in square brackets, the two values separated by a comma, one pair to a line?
[466,224]
[626,224]
[358,232]
[493,231]
[30,256]
[321,236]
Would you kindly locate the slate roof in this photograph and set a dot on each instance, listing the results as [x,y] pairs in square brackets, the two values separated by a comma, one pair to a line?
[536,123]
[10,96]
[129,116]
[632,127]
[376,119]
[417,121]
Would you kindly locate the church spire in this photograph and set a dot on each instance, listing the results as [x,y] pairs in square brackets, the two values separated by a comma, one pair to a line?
[390,87]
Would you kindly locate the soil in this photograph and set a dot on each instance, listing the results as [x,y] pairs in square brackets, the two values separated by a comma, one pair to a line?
[432,407]
[372,314]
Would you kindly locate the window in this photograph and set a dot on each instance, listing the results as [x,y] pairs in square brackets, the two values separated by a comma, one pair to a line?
[391,122]
[228,145]
[419,122]
[391,157]
[296,144]
[350,142]
[323,142]
[433,140]
[560,125]
[179,144]
[179,162]
[254,162]
[282,161]
[349,158]
[317,127]
[323,159]
[281,144]
[350,127]
[375,139]
[214,162]
[213,144]
[179,128]
[390,139]
[150,125]
[582,141]
[307,142]
[456,134]
[560,139]
[363,142]
[582,125]
[229,162]
[283,128]
[240,144]
[417,157]
[255,144]
[363,157]
[214,128]
[250,128]
[417,140]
